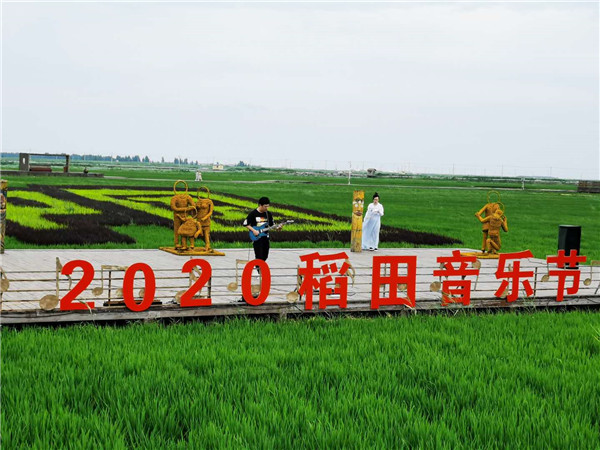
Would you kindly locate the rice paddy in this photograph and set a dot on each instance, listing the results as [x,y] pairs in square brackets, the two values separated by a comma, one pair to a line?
[78,210]
[468,381]
[423,212]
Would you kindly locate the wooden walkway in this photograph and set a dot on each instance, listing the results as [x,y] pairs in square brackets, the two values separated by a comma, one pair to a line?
[32,274]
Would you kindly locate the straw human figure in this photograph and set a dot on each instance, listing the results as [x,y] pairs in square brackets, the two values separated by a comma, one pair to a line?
[487,211]
[496,222]
[180,204]
[205,208]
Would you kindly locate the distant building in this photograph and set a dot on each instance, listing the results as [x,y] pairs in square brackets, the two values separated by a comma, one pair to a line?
[25,166]
[218,166]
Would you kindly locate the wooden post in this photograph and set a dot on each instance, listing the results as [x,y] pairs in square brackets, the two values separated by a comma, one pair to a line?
[358,204]
[3,199]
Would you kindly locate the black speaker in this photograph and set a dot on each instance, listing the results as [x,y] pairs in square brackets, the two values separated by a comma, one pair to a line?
[569,238]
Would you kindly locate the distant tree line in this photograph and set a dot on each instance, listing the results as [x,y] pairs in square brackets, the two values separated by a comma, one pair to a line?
[118,158]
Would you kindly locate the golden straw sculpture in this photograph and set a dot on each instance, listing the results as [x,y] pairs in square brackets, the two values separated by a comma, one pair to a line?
[493,219]
[205,208]
[187,229]
[180,204]
[190,221]
[496,222]
[487,211]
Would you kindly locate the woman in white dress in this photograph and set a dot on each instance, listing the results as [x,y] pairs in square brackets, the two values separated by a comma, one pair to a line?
[372,224]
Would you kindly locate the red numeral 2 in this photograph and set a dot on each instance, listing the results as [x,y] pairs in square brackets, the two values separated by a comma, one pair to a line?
[66,303]
[187,299]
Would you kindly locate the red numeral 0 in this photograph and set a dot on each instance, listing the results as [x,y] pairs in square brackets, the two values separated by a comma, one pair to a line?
[149,287]
[265,286]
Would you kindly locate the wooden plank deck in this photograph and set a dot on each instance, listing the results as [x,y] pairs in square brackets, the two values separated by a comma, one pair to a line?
[32,275]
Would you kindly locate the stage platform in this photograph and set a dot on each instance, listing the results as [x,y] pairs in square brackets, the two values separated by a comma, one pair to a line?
[32,274]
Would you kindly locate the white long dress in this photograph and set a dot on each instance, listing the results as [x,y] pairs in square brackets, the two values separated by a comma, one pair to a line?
[371,226]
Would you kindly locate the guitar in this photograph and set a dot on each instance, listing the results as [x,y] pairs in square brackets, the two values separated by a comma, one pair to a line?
[263,229]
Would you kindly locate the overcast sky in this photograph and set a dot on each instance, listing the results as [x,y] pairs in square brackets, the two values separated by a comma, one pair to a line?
[481,88]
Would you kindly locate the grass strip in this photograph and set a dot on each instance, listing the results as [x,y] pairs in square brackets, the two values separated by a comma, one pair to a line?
[468,381]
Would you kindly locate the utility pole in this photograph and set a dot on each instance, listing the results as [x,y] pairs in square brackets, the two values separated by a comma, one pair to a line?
[349,172]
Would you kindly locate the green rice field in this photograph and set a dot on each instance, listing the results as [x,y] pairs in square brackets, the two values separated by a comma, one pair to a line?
[466,381]
[443,207]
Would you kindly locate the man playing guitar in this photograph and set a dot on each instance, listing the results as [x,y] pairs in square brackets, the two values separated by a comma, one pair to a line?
[257,219]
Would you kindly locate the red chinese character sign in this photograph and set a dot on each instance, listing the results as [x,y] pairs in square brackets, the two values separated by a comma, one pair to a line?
[456,291]
[513,275]
[390,283]
[393,281]
[328,279]
[571,261]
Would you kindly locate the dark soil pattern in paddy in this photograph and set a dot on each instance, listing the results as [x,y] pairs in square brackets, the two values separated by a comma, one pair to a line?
[94,229]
